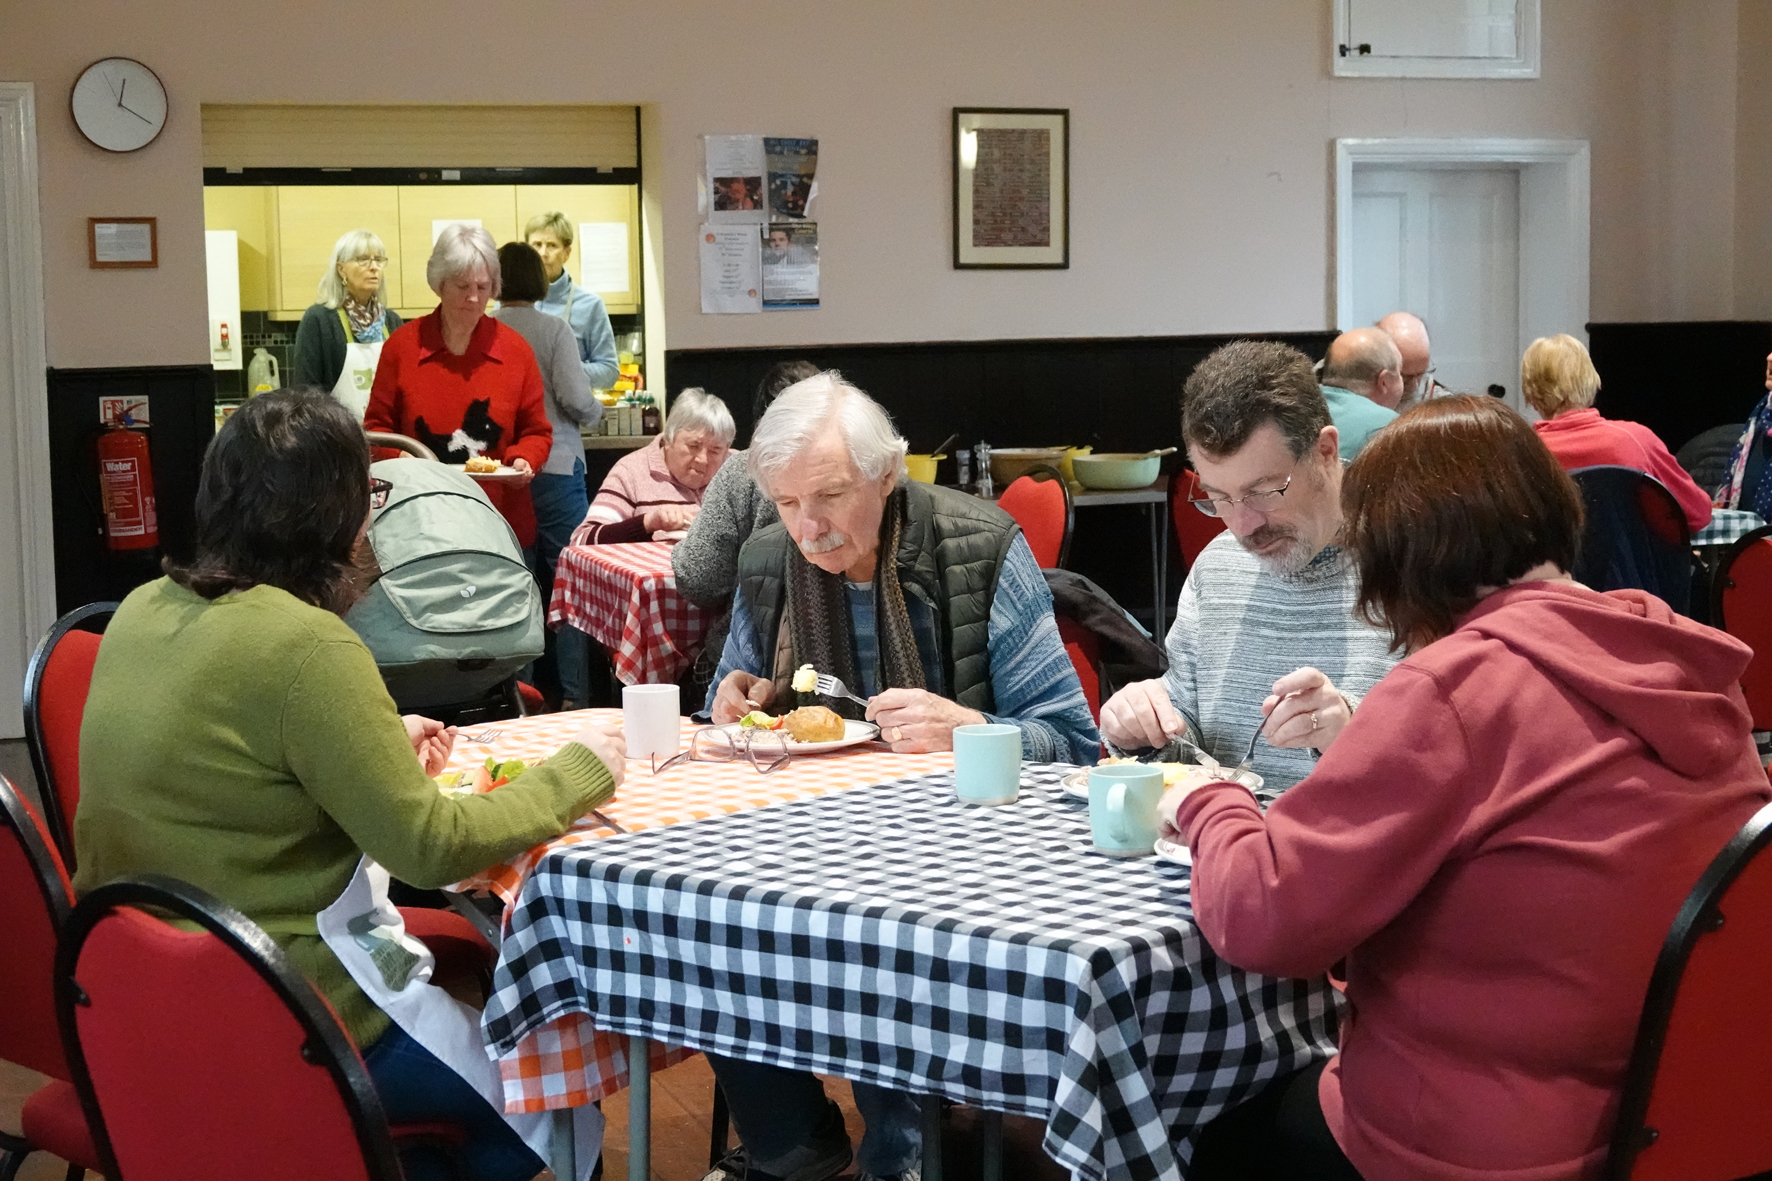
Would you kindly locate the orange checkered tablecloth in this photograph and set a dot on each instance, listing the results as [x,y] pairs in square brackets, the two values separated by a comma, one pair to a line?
[625,597]
[548,1069]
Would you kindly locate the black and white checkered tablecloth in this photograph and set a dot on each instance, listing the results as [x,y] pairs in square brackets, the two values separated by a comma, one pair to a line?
[893,935]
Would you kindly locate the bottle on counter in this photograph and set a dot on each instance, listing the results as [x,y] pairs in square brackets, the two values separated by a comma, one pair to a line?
[963,461]
[982,453]
[650,422]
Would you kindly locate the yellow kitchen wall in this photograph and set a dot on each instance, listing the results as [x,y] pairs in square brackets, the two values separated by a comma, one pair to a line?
[1200,136]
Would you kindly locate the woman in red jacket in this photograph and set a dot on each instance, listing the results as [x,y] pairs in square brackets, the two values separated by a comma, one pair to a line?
[463,384]
[1559,381]
[1497,842]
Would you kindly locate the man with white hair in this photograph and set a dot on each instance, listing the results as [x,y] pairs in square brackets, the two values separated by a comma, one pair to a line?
[928,603]
[1409,334]
[1362,382]
[1265,637]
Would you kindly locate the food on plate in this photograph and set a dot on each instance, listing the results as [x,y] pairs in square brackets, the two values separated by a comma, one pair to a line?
[1173,773]
[494,773]
[805,679]
[758,720]
[481,463]
[814,723]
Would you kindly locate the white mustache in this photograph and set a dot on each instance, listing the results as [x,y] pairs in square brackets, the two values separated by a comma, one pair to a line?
[824,543]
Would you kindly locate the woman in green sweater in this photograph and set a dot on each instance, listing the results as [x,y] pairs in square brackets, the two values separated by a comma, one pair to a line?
[238,736]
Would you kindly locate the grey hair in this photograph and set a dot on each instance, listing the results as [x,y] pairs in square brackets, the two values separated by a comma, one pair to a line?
[461,250]
[699,410]
[352,244]
[799,415]
[553,222]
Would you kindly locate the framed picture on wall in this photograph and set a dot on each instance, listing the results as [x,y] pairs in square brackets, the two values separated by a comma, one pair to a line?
[1012,188]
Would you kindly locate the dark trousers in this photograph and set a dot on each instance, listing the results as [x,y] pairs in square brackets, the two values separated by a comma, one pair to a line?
[1277,1134]
[416,1087]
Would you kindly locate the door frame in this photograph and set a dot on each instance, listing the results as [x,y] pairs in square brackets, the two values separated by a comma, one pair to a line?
[1554,213]
[24,393]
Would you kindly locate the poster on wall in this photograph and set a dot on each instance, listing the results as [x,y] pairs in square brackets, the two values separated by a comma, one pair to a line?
[793,177]
[1011,188]
[766,186]
[735,167]
[790,265]
[731,269]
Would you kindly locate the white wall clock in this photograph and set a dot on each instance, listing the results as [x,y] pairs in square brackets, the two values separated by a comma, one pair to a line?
[118,104]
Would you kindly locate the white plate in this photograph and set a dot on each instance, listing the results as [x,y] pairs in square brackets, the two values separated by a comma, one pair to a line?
[854,733]
[1076,785]
[504,475]
[1166,851]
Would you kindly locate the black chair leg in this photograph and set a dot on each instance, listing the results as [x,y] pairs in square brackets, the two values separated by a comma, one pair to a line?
[718,1124]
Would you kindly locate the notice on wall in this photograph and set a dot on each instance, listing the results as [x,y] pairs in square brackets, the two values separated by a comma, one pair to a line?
[790,265]
[731,268]
[793,177]
[439,224]
[735,167]
[1011,189]
[603,256]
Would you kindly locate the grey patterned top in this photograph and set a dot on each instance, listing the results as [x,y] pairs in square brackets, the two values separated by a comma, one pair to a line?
[733,507]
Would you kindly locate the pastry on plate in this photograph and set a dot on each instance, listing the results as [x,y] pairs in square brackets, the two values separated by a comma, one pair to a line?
[480,463]
[814,723]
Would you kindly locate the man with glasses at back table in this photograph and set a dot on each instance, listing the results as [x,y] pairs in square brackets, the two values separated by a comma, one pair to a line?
[1264,633]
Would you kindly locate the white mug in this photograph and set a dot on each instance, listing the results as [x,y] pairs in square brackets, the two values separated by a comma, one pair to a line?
[652,720]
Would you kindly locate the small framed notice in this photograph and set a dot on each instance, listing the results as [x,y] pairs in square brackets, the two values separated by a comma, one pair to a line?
[1012,189]
[122,242]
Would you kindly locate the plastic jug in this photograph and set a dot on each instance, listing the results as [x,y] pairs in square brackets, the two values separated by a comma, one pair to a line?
[262,374]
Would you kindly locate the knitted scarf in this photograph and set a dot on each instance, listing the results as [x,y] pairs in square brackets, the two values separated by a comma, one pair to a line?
[1759,425]
[367,322]
[819,633]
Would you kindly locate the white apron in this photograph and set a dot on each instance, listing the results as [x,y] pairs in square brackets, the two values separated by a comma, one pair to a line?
[358,375]
[365,931]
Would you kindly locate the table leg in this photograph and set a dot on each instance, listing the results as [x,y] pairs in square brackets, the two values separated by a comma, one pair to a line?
[639,1109]
[1156,571]
[562,1151]
[991,1132]
[1162,571]
[931,1138]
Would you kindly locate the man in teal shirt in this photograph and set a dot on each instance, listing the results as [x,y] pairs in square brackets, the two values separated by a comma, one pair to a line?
[1362,381]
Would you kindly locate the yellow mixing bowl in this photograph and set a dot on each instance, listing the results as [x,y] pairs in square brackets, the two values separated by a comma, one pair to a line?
[922,467]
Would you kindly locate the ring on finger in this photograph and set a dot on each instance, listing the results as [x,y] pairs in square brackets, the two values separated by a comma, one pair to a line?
[1314,724]
[897,734]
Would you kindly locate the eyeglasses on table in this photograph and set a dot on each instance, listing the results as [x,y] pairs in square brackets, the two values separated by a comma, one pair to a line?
[767,750]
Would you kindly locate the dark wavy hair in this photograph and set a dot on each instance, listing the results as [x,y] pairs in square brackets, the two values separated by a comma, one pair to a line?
[781,375]
[1457,494]
[283,497]
[524,276]
[1248,383]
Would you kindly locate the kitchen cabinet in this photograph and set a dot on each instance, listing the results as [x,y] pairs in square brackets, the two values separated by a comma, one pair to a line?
[423,207]
[310,219]
[593,206]
[247,211]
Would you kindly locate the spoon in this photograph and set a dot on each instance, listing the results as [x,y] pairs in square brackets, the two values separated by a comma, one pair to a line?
[941,451]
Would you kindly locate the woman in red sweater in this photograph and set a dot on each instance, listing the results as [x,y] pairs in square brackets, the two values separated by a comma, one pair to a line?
[463,384]
[1559,381]
[1496,843]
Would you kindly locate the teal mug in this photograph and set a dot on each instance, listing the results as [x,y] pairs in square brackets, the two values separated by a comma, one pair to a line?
[987,763]
[1123,807]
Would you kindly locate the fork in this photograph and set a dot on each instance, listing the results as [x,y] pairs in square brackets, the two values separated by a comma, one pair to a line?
[484,735]
[829,686]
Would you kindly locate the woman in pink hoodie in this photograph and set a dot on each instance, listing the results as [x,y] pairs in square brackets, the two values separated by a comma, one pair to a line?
[1496,843]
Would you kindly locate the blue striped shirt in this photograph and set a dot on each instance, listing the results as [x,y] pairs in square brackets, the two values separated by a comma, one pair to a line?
[1033,683]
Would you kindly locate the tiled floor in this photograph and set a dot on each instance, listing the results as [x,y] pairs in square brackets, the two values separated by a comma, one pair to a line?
[682,1102]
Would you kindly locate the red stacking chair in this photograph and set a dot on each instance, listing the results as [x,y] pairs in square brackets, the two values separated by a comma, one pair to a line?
[56,682]
[38,898]
[1699,1087]
[1084,650]
[1193,529]
[1741,604]
[202,1055]
[1040,502]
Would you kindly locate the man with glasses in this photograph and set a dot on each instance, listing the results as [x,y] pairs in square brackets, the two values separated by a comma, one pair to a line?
[1264,635]
[1409,334]
[1362,377]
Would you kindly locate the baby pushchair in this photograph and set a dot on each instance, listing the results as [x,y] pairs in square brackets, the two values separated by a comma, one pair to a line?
[451,613]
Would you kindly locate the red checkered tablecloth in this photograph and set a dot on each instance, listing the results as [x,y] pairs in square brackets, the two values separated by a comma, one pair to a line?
[625,597]
[556,1066]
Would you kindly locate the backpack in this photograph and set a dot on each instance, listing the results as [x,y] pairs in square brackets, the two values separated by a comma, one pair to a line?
[454,610]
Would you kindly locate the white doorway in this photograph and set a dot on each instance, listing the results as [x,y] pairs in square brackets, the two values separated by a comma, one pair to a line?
[1466,184]
[27,562]
[1444,243]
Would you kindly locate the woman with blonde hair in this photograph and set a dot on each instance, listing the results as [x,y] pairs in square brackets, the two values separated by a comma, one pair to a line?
[338,344]
[1560,382]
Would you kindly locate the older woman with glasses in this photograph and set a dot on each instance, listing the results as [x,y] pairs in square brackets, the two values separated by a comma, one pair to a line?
[463,384]
[339,342]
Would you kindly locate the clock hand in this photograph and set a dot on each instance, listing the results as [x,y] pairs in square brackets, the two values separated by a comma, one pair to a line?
[120,91]
[136,113]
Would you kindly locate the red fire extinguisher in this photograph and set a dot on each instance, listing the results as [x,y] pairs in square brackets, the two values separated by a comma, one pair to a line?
[126,481]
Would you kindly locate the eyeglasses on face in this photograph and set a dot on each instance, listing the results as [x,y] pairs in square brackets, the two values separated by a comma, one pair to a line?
[378,492]
[767,750]
[371,260]
[1264,501]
